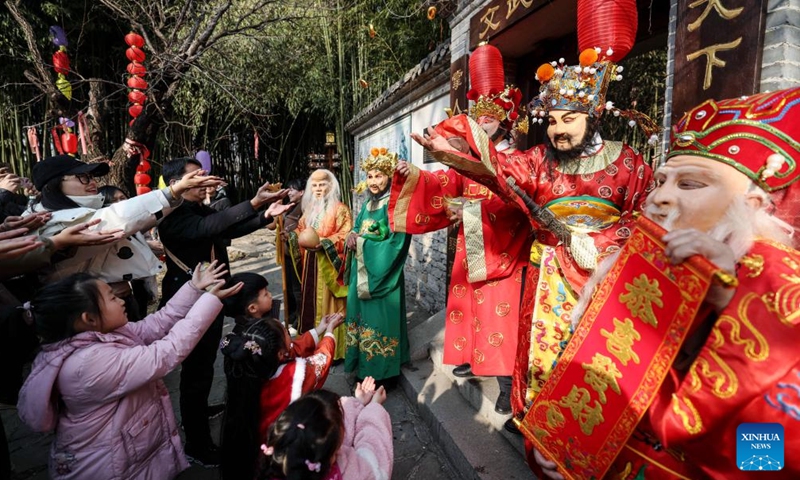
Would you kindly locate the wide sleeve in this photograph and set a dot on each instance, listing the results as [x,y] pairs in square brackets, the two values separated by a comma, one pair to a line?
[108,377]
[134,214]
[333,235]
[158,324]
[189,226]
[318,365]
[367,451]
[496,234]
[419,203]
[305,344]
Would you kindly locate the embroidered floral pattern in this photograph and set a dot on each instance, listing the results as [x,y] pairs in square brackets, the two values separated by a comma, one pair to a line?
[254,348]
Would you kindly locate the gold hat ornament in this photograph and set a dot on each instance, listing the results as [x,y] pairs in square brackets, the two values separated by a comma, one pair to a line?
[379,159]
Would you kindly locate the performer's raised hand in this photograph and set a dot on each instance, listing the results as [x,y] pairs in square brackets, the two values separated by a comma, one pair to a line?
[682,244]
[402,166]
[432,141]
[548,467]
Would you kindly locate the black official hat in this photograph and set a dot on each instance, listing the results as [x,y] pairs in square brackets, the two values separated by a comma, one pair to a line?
[61,165]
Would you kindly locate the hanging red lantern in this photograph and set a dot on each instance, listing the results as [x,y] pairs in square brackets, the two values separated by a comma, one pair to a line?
[137,82]
[135,96]
[143,166]
[141,179]
[609,25]
[135,54]
[61,62]
[142,189]
[69,143]
[135,110]
[136,68]
[134,40]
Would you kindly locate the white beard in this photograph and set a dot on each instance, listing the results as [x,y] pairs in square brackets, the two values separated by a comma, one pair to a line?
[738,228]
[316,211]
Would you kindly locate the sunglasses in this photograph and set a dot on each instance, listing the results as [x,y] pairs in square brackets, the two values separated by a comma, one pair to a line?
[84,178]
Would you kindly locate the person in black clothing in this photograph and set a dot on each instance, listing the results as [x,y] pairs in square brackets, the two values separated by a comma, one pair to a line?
[191,234]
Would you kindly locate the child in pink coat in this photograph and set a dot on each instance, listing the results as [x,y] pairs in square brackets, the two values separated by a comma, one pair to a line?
[324,437]
[97,381]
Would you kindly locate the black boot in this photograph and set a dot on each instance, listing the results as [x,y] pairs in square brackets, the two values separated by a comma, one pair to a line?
[503,404]
[463,370]
[510,426]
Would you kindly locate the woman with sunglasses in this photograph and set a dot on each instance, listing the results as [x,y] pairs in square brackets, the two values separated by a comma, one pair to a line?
[69,191]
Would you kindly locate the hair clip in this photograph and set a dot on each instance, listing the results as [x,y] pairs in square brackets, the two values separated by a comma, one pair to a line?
[224,343]
[28,308]
[301,426]
[268,451]
[313,466]
[253,347]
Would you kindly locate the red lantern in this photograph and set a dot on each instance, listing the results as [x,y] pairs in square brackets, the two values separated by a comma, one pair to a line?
[141,179]
[69,142]
[134,40]
[135,96]
[135,110]
[142,189]
[137,82]
[143,166]
[135,54]
[61,62]
[608,24]
[136,68]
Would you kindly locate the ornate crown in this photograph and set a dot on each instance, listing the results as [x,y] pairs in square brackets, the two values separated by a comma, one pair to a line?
[380,159]
[491,96]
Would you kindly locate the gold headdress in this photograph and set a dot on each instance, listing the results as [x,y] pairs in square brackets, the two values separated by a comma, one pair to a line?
[379,159]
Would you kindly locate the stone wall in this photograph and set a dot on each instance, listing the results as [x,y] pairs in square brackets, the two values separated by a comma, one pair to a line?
[780,64]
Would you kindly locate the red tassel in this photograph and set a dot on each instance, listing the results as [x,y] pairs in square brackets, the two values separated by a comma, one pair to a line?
[57,142]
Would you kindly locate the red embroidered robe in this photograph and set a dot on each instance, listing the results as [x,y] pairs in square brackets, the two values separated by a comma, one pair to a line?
[486,280]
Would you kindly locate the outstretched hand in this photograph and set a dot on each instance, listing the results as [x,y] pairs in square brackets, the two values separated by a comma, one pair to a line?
[221,293]
[264,196]
[80,236]
[432,141]
[330,322]
[365,390]
[213,274]
[31,222]
[379,397]
[196,179]
[13,244]
[277,209]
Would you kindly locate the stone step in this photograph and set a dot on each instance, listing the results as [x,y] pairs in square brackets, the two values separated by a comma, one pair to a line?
[460,412]
[480,392]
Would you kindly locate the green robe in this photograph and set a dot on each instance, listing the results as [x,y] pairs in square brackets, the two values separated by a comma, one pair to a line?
[377,338]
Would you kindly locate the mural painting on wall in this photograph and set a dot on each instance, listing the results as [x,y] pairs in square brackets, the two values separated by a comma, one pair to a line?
[393,137]
[717,50]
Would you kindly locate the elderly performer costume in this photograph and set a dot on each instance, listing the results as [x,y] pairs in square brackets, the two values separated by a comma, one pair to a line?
[323,293]
[581,209]
[377,340]
[719,397]
[486,278]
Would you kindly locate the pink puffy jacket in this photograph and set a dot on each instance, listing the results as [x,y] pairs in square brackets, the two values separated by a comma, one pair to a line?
[103,394]
[367,451]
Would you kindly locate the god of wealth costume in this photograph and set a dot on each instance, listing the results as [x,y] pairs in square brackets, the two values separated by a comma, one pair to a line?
[748,369]
[322,292]
[486,278]
[654,384]
[594,198]
[377,340]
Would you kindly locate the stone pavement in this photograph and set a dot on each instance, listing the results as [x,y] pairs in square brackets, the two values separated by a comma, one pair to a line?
[417,456]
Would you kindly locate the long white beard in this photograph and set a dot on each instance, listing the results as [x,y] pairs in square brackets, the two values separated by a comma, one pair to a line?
[738,228]
[316,211]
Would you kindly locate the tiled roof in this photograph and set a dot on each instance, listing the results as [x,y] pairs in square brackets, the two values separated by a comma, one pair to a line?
[438,57]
